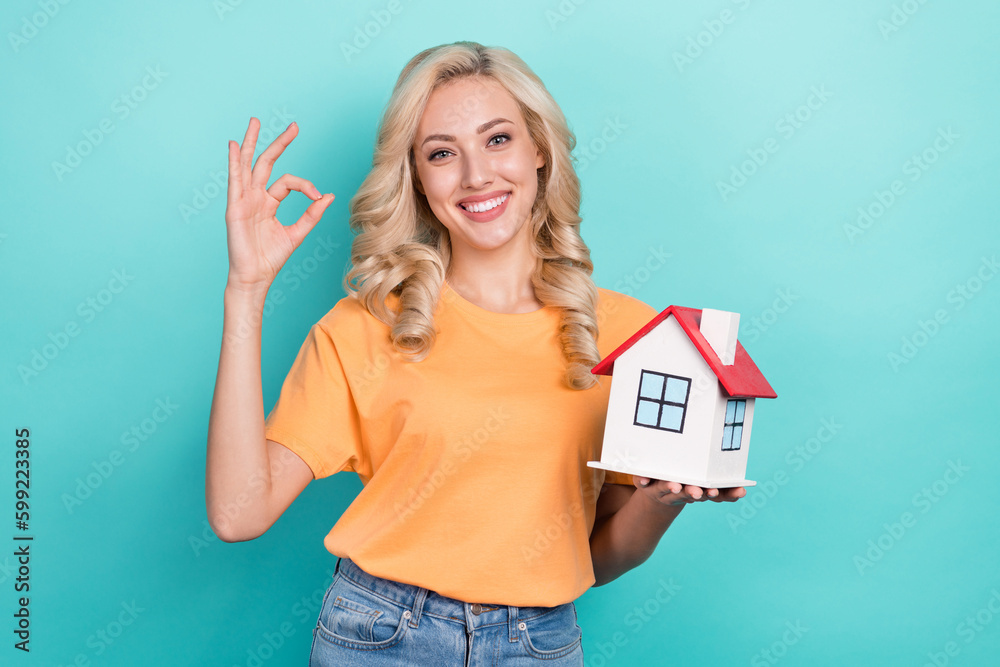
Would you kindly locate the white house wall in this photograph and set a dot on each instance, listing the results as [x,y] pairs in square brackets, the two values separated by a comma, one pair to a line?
[729,464]
[683,454]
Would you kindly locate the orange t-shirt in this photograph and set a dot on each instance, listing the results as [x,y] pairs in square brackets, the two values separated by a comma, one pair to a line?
[473,461]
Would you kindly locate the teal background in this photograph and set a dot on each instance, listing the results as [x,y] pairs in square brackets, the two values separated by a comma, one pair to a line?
[820,544]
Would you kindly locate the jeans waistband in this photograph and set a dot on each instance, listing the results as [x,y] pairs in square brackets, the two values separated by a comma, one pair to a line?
[421,600]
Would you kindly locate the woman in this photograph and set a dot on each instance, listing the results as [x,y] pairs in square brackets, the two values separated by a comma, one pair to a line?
[454,379]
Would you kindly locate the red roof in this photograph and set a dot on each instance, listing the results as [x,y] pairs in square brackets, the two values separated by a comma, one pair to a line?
[740,379]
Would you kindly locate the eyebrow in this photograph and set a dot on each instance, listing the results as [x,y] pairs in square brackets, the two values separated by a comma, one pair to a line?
[479,130]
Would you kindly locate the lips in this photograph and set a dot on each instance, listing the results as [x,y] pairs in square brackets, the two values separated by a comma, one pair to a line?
[501,199]
[476,199]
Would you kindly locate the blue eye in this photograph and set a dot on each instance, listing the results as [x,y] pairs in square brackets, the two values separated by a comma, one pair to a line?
[497,136]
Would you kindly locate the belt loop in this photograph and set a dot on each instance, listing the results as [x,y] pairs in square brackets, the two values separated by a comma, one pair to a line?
[337,569]
[512,622]
[418,606]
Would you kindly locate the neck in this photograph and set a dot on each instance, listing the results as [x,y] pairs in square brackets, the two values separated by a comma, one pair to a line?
[498,280]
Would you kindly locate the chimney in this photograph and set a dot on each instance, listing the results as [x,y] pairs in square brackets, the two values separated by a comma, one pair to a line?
[720,328]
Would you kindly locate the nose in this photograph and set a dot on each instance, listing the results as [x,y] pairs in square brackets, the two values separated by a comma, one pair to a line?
[477,171]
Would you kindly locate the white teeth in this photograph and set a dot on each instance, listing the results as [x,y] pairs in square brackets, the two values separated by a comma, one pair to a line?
[480,207]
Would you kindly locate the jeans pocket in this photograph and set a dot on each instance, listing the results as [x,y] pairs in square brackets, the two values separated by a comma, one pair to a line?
[552,634]
[355,617]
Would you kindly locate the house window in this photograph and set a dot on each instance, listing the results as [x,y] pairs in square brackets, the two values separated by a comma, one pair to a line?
[732,432]
[662,401]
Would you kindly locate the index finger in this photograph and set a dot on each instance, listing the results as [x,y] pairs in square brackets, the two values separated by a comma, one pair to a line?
[235,187]
[262,169]
[246,151]
[730,494]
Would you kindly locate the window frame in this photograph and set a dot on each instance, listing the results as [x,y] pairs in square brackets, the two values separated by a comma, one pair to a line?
[726,423]
[661,401]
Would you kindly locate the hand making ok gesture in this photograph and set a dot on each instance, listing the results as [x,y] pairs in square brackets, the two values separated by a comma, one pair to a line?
[258,244]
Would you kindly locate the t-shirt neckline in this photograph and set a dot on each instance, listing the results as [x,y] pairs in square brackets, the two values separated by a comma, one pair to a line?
[453,297]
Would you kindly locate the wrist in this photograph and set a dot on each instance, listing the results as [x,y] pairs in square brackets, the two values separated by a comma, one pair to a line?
[252,291]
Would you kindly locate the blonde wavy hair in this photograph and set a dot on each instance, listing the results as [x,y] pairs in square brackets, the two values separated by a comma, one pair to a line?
[401,248]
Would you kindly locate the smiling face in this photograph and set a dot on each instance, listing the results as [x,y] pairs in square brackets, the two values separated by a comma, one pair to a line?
[477,166]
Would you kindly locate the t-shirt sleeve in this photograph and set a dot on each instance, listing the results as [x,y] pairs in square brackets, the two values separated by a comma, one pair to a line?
[612,477]
[315,415]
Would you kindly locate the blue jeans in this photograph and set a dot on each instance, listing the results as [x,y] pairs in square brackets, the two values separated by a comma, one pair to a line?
[368,620]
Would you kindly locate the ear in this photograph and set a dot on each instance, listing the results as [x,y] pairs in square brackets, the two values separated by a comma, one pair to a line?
[418,185]
[539,159]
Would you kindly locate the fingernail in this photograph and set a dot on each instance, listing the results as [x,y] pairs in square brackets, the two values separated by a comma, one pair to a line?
[644,482]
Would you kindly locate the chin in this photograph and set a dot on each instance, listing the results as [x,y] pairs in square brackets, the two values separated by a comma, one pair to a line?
[487,244]
[492,239]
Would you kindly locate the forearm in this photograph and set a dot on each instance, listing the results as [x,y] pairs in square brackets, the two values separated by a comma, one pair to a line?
[237,465]
[628,537]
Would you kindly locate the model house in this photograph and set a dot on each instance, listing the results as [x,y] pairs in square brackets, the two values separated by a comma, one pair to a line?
[682,400]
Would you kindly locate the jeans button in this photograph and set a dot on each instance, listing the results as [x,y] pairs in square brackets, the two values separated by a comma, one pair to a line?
[477,608]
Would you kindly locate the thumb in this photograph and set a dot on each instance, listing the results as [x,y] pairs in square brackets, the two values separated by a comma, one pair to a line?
[309,218]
